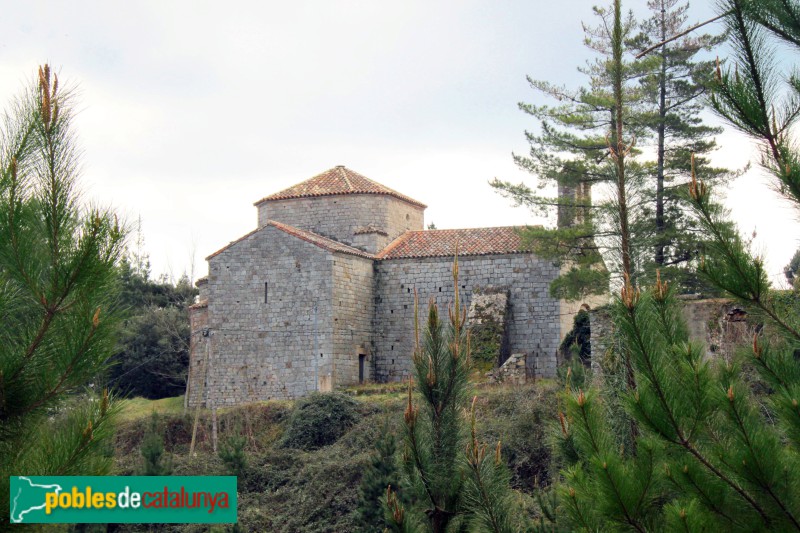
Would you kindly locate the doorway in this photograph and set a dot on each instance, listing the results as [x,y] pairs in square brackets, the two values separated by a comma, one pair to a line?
[362,360]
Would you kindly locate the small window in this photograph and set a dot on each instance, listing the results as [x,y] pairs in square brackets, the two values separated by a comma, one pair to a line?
[266,292]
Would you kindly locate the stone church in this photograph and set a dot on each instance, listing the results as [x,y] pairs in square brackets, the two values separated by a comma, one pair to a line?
[321,294]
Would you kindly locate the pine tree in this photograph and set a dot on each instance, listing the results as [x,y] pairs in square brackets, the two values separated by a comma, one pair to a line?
[714,453]
[661,118]
[233,455]
[381,473]
[674,90]
[457,486]
[577,152]
[57,296]
[152,450]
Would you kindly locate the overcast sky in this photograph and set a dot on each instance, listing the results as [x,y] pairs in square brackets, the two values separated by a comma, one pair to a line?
[191,111]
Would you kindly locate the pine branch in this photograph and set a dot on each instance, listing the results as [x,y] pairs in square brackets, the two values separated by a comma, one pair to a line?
[677,36]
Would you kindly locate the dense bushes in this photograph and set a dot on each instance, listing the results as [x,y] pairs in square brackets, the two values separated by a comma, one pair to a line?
[290,489]
[522,418]
[152,353]
[319,420]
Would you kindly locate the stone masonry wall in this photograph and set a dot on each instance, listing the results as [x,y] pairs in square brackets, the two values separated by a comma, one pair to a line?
[352,317]
[339,217]
[263,350]
[533,315]
[715,322]
[198,320]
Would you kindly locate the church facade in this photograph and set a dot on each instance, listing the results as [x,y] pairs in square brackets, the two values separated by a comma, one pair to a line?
[321,294]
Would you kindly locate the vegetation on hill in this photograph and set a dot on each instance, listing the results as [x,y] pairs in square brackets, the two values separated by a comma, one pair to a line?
[292,490]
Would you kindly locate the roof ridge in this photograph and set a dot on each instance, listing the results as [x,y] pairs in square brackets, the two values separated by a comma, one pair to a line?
[394,244]
[343,172]
[334,246]
[308,236]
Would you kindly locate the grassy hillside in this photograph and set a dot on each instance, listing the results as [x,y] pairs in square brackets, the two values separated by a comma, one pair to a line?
[284,489]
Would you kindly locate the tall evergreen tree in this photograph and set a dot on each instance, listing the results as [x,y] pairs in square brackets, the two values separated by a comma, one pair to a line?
[574,153]
[711,455]
[571,154]
[57,296]
[673,91]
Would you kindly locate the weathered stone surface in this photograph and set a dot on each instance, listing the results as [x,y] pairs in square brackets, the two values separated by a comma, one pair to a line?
[718,323]
[486,319]
[533,323]
[343,218]
[514,371]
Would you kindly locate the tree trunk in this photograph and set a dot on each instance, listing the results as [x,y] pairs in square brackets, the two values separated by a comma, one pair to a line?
[662,120]
[618,146]
[619,150]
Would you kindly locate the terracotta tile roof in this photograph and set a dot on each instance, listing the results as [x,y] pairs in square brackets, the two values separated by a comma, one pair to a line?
[199,305]
[336,181]
[442,243]
[317,240]
[201,281]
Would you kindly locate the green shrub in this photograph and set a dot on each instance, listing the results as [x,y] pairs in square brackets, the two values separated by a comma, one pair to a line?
[152,451]
[523,418]
[232,454]
[319,420]
[381,473]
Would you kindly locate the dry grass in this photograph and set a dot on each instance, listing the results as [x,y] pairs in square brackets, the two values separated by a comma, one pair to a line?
[135,408]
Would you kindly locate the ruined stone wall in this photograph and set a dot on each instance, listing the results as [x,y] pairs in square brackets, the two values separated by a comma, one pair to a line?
[263,350]
[533,315]
[602,335]
[198,321]
[340,217]
[717,323]
[352,317]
